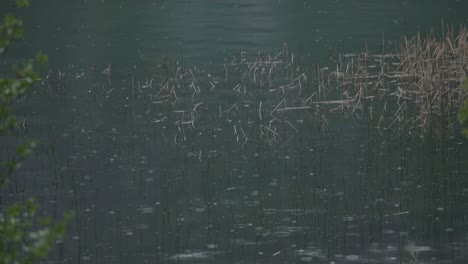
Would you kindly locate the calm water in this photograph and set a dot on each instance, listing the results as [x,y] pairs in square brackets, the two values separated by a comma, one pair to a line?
[148,186]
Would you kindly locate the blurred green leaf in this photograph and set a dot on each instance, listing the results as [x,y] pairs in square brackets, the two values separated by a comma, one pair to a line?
[22,3]
[30,207]
[41,58]
[465,84]
[23,151]
[44,221]
[11,122]
[26,149]
[14,211]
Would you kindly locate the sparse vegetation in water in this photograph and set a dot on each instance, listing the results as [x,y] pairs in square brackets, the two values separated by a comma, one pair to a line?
[414,88]
[463,112]
[24,236]
[226,167]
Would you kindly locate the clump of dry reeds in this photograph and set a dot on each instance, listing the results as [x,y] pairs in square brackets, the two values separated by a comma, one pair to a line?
[418,86]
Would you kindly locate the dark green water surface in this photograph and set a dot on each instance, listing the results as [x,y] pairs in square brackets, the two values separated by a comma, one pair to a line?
[150,187]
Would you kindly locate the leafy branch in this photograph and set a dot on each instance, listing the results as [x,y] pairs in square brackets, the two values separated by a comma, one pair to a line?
[23,239]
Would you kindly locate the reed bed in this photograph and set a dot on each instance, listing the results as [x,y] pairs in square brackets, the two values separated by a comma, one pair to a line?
[415,88]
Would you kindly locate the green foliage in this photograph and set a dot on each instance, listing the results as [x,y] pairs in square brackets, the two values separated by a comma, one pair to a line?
[23,242]
[22,3]
[41,58]
[11,29]
[24,237]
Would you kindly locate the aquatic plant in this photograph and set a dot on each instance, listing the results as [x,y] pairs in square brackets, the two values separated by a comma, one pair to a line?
[463,112]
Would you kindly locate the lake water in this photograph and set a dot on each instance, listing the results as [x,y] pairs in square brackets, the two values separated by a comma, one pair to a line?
[209,171]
